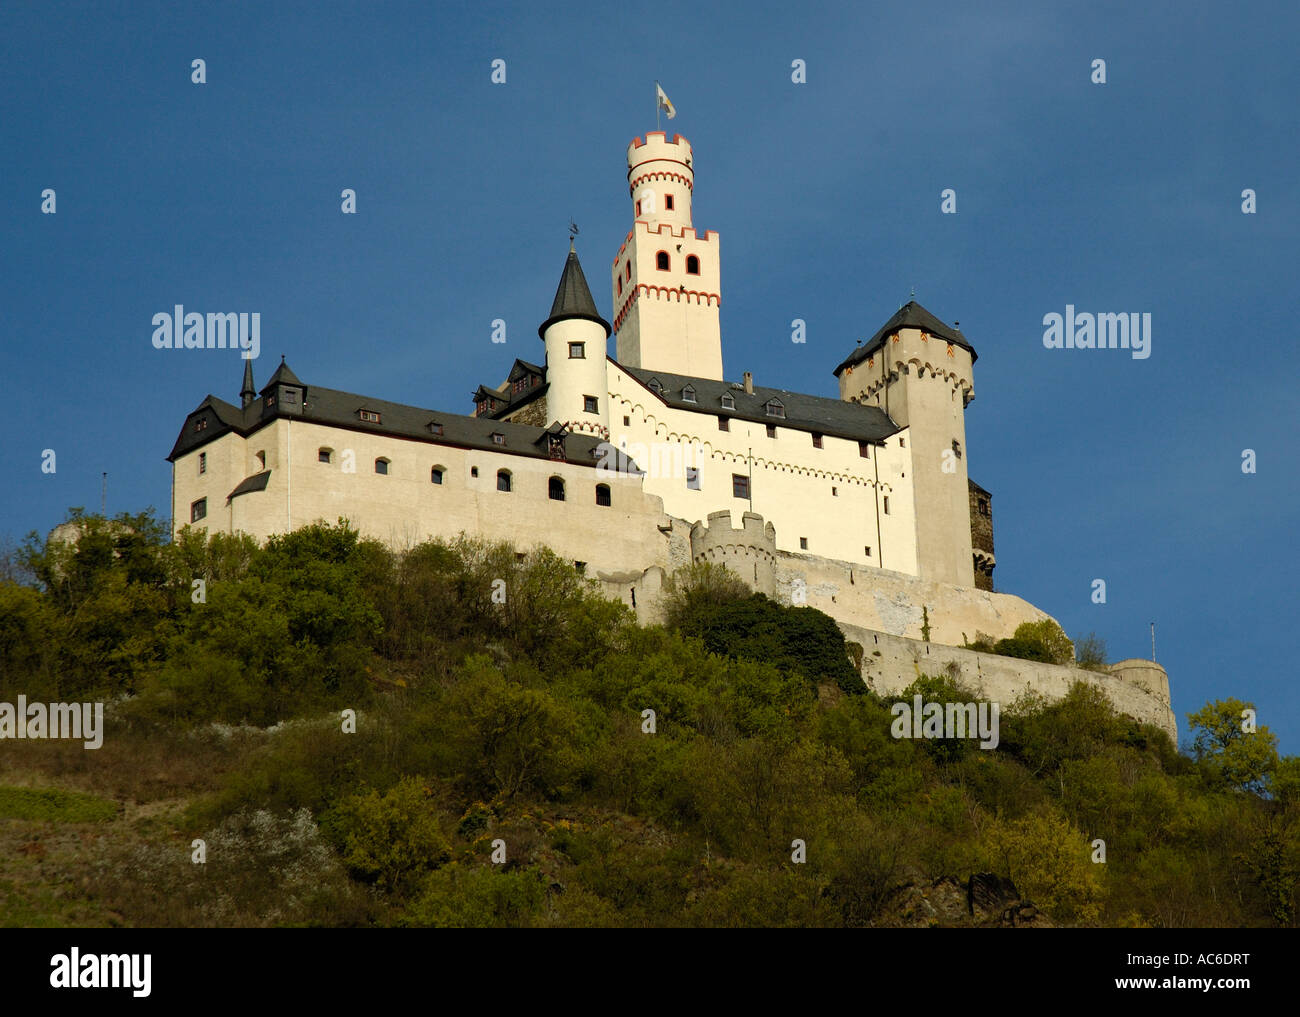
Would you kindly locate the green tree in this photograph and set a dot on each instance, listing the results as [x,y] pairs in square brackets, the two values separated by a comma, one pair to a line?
[1229,755]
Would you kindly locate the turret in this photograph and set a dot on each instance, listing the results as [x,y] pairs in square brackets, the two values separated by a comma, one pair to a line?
[576,339]
[247,393]
[666,280]
[919,370]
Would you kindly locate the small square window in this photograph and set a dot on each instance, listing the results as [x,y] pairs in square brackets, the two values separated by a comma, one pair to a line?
[817,441]
[369,416]
[381,467]
[724,423]
[803,543]
[771,430]
[203,462]
[590,404]
[323,455]
[435,428]
[577,351]
[602,494]
[581,566]
[867,549]
[473,471]
[627,421]
[290,395]
[198,510]
[864,449]
[739,485]
[498,438]
[692,478]
[435,475]
[201,424]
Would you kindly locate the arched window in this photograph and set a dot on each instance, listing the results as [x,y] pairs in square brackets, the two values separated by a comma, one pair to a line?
[503,480]
[692,265]
[555,489]
[436,473]
[602,494]
[381,466]
[323,455]
[628,269]
[661,261]
[620,285]
[261,461]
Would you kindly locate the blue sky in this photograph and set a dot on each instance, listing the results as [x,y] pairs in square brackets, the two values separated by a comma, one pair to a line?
[1123,196]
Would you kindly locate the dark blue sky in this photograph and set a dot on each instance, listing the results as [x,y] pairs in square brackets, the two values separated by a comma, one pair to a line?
[1117,197]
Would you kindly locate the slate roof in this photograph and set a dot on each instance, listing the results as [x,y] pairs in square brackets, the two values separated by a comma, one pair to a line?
[336,408]
[573,298]
[257,482]
[283,376]
[910,315]
[817,414]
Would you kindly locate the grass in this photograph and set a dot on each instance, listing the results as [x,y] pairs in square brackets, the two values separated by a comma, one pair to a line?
[54,805]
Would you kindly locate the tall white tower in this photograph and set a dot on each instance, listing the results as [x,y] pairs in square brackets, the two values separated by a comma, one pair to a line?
[666,280]
[576,345]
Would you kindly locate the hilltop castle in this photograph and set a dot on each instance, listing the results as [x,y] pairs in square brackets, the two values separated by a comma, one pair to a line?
[636,461]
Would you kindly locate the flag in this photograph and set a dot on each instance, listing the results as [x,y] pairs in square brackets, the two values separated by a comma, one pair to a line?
[665,103]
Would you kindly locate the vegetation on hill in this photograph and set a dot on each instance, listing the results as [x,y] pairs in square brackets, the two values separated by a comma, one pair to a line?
[505,767]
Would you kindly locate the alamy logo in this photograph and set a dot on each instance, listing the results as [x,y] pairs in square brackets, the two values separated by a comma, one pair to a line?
[946,720]
[657,460]
[102,971]
[83,721]
[1087,331]
[195,331]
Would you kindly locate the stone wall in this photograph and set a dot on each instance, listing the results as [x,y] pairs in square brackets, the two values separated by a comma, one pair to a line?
[1137,688]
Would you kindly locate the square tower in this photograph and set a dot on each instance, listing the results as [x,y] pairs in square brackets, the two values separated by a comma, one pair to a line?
[666,280]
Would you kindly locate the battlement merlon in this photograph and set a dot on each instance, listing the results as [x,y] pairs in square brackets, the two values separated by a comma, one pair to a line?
[752,525]
[656,145]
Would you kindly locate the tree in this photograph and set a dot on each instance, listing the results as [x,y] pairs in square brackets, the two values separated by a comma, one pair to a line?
[1231,756]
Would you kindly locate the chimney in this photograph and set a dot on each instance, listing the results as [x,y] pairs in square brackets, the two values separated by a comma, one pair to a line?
[749,383]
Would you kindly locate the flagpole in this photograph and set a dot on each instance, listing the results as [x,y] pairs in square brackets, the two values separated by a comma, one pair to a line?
[657,105]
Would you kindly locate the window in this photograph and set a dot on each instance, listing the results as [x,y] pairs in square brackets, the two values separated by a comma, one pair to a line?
[435,427]
[867,549]
[203,462]
[323,455]
[956,448]
[503,480]
[656,386]
[590,404]
[555,447]
[739,486]
[521,384]
[886,504]
[290,395]
[661,261]
[369,416]
[602,494]
[817,441]
[692,478]
[803,543]
[728,401]
[270,399]
[620,285]
[775,408]
[638,208]
[835,492]
[688,394]
[261,461]
[627,269]
[498,438]
[724,423]
[381,466]
[668,202]
[627,421]
[473,471]
[581,566]
[555,489]
[577,351]
[984,506]
[198,510]
[902,443]
[771,430]
[692,265]
[201,424]
[864,449]
[435,474]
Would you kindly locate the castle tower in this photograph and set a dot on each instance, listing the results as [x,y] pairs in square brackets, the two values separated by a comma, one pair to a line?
[666,281]
[920,371]
[575,336]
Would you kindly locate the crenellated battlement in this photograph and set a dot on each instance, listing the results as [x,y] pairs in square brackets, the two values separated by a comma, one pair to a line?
[749,551]
[656,145]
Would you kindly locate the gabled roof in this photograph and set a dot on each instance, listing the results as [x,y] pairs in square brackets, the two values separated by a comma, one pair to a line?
[816,414]
[339,409]
[573,298]
[524,367]
[910,315]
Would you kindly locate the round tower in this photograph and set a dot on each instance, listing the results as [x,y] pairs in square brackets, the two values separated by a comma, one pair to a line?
[661,179]
[576,337]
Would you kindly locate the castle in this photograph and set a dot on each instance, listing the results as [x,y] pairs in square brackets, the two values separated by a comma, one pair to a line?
[641,459]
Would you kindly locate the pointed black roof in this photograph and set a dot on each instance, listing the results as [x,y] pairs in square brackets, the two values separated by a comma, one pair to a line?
[247,393]
[910,315]
[573,298]
[283,376]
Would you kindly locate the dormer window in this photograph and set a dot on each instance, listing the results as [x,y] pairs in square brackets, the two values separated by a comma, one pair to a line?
[656,386]
[498,438]
[775,408]
[270,399]
[555,447]
[291,395]
[728,401]
[688,394]
[435,428]
[519,385]
[369,416]
[201,424]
